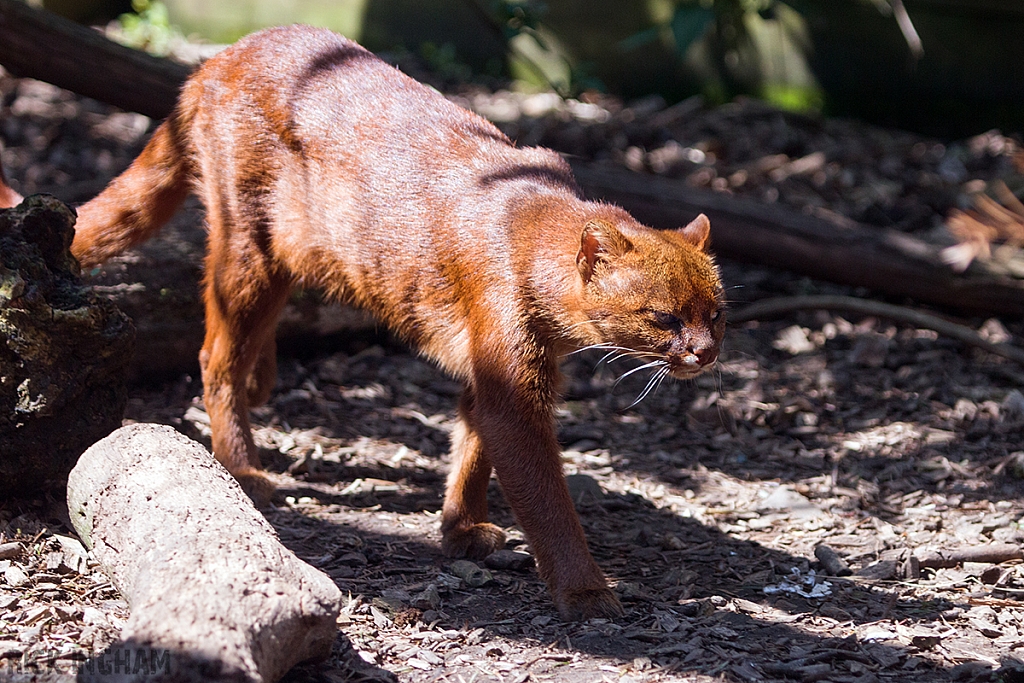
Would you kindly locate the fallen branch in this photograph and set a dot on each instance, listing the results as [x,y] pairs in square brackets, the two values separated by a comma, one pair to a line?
[204,573]
[993,553]
[774,308]
[41,45]
[830,560]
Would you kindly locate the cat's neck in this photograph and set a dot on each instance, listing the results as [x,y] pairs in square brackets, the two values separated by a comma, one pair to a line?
[546,231]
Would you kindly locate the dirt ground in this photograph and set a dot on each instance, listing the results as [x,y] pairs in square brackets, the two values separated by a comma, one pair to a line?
[705,503]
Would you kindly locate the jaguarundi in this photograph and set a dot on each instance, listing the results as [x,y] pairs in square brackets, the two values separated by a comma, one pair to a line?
[322,166]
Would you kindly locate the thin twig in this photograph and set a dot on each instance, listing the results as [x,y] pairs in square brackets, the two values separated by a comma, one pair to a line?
[773,308]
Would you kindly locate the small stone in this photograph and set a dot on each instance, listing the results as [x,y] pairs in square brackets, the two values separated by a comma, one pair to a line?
[799,506]
[629,590]
[993,331]
[583,488]
[55,562]
[987,629]
[870,350]
[471,574]
[885,570]
[991,575]
[396,598]
[14,576]
[509,560]
[10,550]
[793,340]
[419,664]
[584,445]
[353,560]
[75,556]
[428,599]
[1013,404]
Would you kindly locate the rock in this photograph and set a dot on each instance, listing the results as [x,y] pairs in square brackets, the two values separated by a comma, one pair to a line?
[785,498]
[472,575]
[509,559]
[584,488]
[14,576]
[428,599]
[793,340]
[64,352]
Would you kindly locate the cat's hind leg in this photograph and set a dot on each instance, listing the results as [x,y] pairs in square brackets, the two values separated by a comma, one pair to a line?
[244,295]
[264,374]
[465,531]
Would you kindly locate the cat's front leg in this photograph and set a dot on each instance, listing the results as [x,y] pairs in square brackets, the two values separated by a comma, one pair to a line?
[517,431]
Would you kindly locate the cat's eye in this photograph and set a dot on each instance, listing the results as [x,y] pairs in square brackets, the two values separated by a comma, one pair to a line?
[716,315]
[666,320]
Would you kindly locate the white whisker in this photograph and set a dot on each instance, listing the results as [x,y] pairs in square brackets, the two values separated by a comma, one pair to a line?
[600,347]
[653,363]
[652,385]
[622,351]
[583,322]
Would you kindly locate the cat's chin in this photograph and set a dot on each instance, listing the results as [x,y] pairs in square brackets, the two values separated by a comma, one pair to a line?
[689,372]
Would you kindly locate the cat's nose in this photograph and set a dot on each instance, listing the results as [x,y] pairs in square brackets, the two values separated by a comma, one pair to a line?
[700,356]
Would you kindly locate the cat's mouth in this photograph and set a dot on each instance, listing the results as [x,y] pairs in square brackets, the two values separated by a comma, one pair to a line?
[689,365]
[687,371]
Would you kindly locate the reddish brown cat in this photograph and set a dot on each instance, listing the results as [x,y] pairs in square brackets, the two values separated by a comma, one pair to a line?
[322,166]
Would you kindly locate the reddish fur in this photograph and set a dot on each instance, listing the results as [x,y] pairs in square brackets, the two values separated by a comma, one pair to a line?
[8,197]
[320,165]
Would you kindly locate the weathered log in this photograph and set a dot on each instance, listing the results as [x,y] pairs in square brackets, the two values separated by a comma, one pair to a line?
[992,553]
[41,45]
[63,351]
[207,579]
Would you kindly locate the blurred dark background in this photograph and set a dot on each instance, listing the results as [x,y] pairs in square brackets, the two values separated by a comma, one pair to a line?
[942,67]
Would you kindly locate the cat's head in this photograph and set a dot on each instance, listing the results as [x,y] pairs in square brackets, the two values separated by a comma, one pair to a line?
[656,293]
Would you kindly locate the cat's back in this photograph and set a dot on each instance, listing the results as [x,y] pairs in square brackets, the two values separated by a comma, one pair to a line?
[321,93]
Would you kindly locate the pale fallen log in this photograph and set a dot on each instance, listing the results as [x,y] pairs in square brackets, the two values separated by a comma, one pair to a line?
[994,553]
[207,579]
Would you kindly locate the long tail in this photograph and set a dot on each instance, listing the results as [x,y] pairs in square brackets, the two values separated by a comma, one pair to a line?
[138,202]
[8,197]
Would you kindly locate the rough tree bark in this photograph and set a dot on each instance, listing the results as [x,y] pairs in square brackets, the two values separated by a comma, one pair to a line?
[204,573]
[63,351]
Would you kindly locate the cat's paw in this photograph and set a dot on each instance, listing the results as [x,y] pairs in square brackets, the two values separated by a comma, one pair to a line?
[475,542]
[257,486]
[588,603]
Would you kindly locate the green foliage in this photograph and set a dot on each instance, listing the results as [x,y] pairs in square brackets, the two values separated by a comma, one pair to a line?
[517,16]
[445,63]
[794,98]
[148,28]
[533,51]
[726,43]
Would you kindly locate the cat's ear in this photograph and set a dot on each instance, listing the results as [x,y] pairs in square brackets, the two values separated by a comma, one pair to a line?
[697,231]
[600,241]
